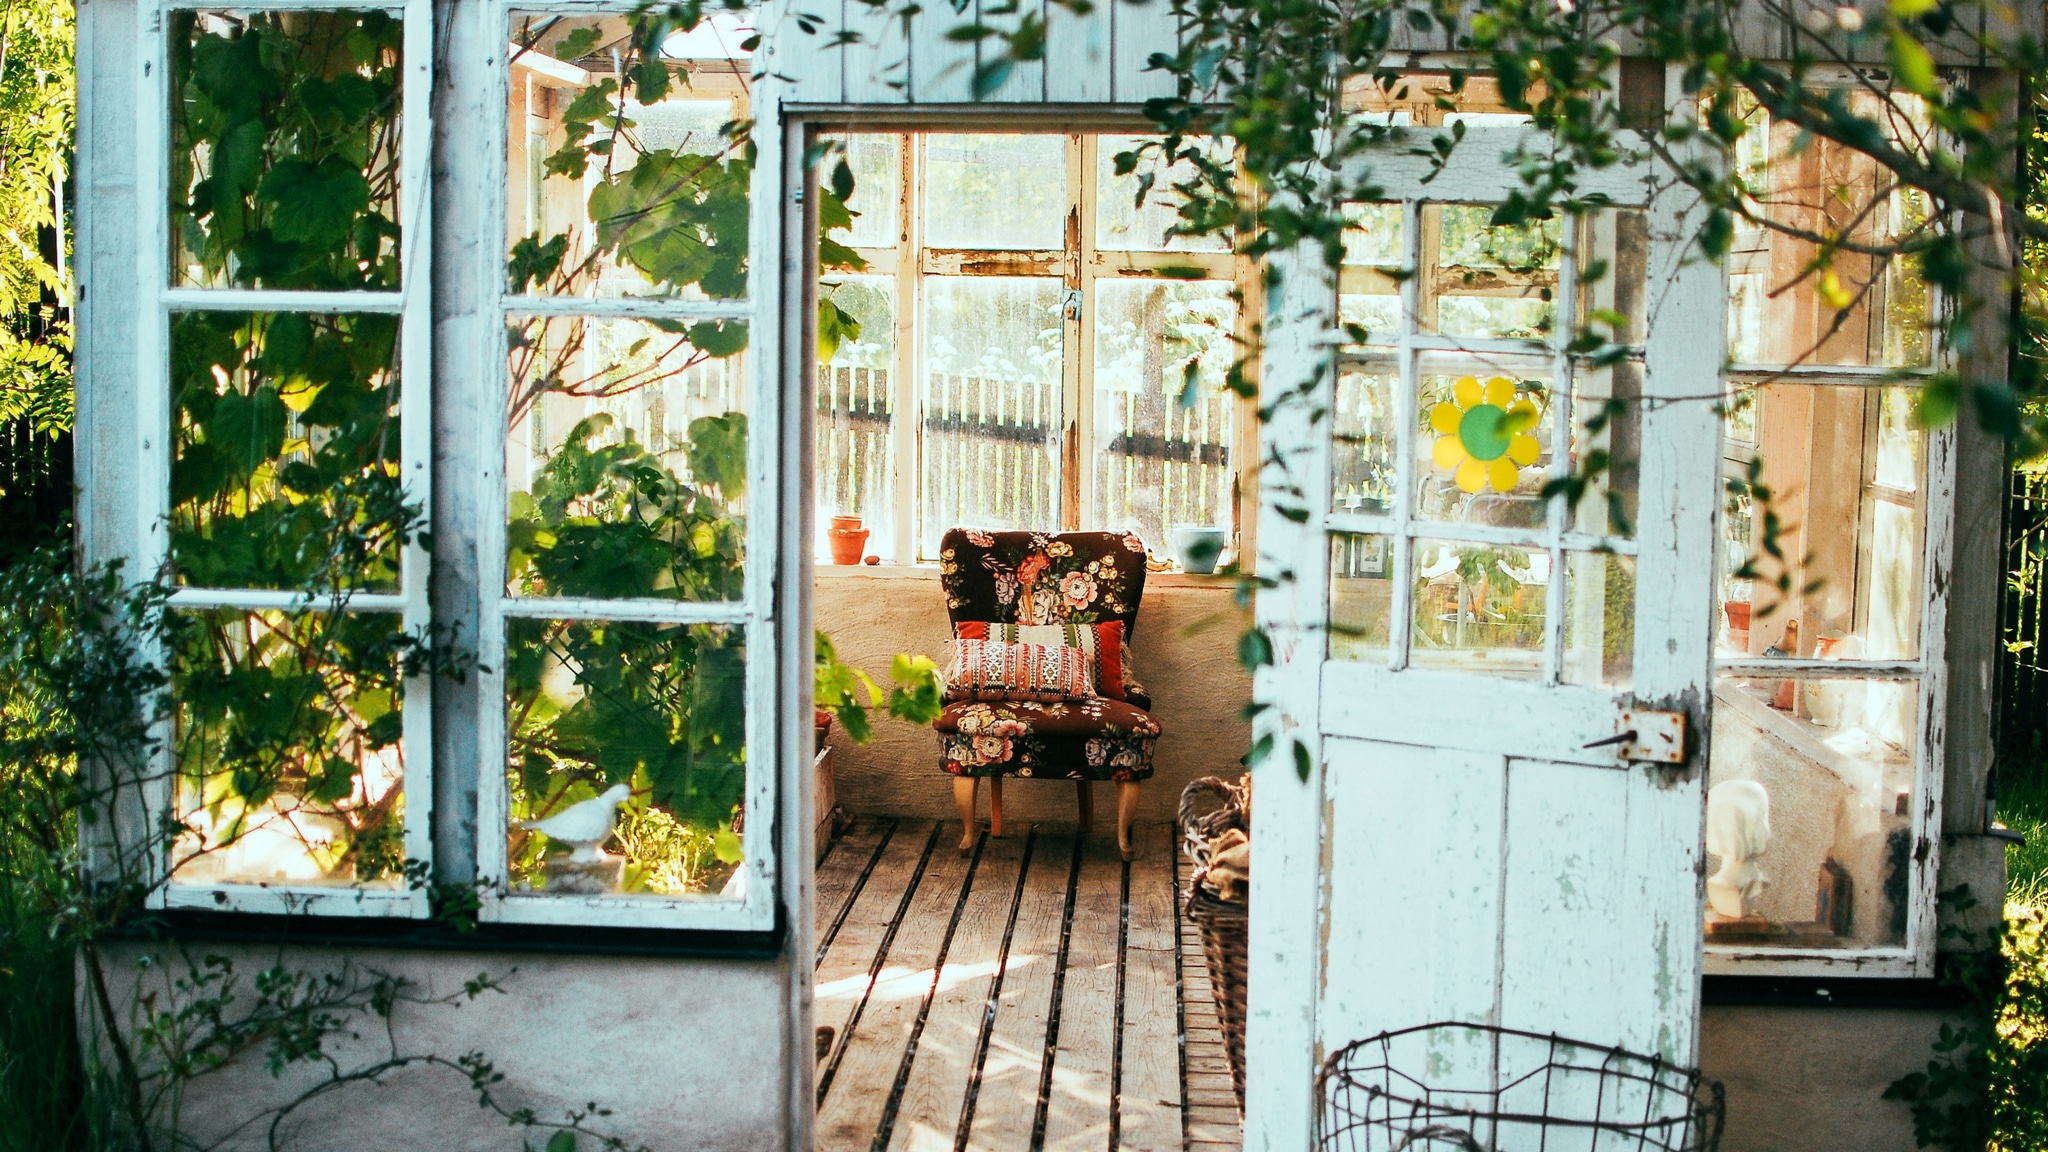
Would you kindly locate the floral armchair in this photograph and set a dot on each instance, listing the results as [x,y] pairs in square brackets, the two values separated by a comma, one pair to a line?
[1083,580]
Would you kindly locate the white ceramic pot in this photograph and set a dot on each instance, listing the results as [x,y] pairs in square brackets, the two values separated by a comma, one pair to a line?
[1197,548]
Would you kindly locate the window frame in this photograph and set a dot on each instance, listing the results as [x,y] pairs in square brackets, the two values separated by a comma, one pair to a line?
[755,611]
[1080,266]
[1915,956]
[159,301]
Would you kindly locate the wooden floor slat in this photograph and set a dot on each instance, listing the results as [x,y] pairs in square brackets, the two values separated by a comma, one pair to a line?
[840,873]
[945,976]
[847,969]
[1149,1092]
[856,1103]
[1077,1115]
[928,1117]
[1006,1105]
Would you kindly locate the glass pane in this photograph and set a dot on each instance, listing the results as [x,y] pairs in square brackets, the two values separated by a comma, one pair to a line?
[877,164]
[1121,224]
[995,192]
[626,459]
[1607,447]
[1162,417]
[1486,281]
[1426,98]
[856,409]
[286,436]
[288,740]
[1788,304]
[1600,619]
[1482,445]
[1361,597]
[1362,455]
[1843,464]
[284,149]
[990,404]
[626,757]
[1379,315]
[1809,811]
[1616,304]
[634,194]
[1373,237]
[1479,608]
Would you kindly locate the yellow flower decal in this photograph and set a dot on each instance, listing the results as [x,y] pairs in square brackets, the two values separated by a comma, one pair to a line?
[1482,434]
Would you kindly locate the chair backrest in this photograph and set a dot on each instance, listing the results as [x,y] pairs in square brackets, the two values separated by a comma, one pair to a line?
[1040,578]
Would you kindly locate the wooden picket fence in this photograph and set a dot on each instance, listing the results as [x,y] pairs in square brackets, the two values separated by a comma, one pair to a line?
[991,454]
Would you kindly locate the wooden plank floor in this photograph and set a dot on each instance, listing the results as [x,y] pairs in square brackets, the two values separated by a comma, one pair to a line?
[1038,995]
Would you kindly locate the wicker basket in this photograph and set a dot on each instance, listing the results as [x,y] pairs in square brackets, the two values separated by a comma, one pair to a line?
[1222,923]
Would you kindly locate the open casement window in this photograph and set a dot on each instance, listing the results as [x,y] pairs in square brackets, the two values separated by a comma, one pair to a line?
[628,631]
[285,449]
[1824,809]
[1043,327]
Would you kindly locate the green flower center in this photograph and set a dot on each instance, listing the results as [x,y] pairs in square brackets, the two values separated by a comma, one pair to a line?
[1484,432]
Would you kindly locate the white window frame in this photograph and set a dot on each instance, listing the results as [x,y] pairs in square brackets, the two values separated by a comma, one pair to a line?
[761,310]
[1915,957]
[412,303]
[1080,265]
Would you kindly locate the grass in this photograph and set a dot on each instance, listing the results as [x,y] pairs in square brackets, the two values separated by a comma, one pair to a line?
[2023,807]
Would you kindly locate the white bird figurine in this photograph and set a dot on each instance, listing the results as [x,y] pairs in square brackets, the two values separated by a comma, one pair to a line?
[584,826]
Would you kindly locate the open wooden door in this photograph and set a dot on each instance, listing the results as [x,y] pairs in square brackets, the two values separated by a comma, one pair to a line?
[1456,655]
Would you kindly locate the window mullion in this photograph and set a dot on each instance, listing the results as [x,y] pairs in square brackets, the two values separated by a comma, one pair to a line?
[1077,421]
[906,431]
[1081,256]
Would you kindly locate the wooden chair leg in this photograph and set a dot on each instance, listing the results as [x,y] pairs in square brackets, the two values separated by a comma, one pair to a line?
[1087,799]
[995,807]
[1126,811]
[963,798]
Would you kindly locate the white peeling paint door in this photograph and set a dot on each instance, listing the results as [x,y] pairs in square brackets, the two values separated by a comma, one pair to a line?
[1454,652]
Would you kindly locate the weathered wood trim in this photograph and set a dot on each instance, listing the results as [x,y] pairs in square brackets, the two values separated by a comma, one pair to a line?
[1288,900]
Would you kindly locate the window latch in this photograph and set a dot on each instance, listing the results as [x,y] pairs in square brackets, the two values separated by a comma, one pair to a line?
[1642,734]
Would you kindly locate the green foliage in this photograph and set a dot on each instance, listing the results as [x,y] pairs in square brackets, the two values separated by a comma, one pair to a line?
[614,520]
[284,149]
[71,686]
[1982,1090]
[659,707]
[37,98]
[286,435]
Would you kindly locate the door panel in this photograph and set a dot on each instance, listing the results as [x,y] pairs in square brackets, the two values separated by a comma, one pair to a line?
[1414,844]
[1468,845]
[1567,891]
[1459,710]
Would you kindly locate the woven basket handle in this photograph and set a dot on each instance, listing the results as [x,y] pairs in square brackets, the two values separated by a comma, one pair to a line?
[1196,830]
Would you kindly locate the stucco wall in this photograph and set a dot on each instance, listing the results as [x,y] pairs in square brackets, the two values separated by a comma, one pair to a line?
[1184,651]
[687,1053]
[1813,1079]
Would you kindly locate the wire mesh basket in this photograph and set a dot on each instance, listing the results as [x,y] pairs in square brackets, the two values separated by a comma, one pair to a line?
[1475,1088]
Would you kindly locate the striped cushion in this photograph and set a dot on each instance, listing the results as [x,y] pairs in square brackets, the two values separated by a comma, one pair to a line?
[995,670]
[1102,643]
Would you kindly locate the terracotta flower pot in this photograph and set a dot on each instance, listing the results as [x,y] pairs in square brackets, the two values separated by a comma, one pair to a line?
[847,538]
[1737,614]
